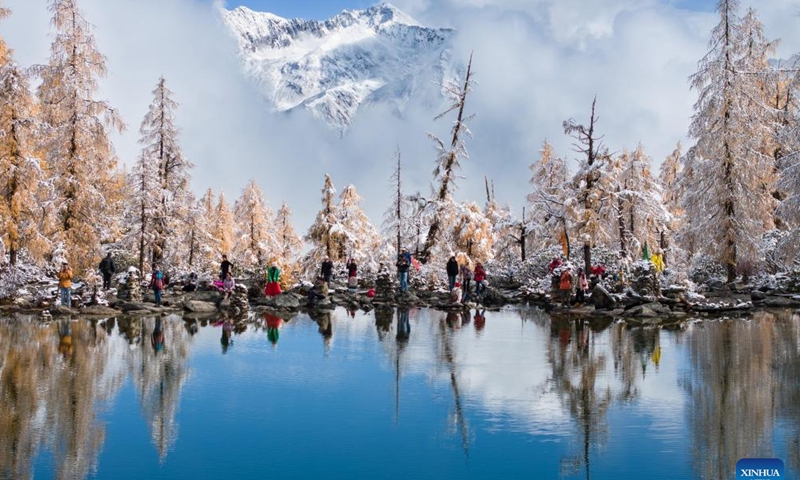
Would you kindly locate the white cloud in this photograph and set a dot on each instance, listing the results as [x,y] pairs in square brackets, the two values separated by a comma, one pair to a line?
[538,62]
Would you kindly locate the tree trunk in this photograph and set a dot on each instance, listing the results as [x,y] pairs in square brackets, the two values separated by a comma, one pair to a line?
[587,258]
[12,256]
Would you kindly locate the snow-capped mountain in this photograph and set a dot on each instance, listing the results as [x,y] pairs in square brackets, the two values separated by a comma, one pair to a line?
[335,67]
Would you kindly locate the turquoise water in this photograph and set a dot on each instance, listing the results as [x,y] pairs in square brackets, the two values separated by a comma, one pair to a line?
[514,394]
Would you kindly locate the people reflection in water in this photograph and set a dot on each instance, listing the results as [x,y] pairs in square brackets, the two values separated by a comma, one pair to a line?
[273,324]
[403,326]
[65,337]
[323,319]
[480,320]
[225,340]
[384,315]
[191,326]
[453,320]
[157,339]
[465,318]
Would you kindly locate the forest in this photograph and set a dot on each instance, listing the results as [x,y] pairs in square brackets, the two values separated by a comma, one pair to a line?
[729,203]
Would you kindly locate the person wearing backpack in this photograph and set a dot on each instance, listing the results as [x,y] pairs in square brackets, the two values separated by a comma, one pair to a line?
[480,278]
[565,286]
[107,268]
[157,283]
[466,279]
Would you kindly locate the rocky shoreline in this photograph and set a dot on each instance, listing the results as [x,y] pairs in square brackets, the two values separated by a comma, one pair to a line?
[656,306]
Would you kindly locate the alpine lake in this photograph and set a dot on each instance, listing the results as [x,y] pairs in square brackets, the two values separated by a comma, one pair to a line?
[405,394]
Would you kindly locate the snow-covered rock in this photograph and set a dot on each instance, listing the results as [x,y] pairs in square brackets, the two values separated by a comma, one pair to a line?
[335,67]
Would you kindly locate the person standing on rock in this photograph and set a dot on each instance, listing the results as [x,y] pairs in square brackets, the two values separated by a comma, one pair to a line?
[565,286]
[466,279]
[452,273]
[403,265]
[583,285]
[327,270]
[224,267]
[480,278]
[273,287]
[352,272]
[65,285]
[157,284]
[107,268]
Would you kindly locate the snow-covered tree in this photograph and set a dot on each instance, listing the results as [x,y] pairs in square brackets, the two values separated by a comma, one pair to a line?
[473,233]
[789,210]
[224,228]
[354,234]
[668,177]
[255,234]
[199,245]
[289,243]
[396,218]
[640,212]
[142,209]
[20,171]
[321,234]
[550,189]
[447,162]
[78,150]
[730,202]
[5,52]
[161,152]
[588,211]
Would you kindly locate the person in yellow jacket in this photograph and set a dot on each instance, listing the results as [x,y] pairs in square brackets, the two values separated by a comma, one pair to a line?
[65,285]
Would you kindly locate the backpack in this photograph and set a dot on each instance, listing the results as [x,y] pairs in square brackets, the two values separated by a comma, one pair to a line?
[157,282]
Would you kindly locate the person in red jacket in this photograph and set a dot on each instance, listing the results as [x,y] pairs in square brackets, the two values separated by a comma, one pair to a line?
[480,278]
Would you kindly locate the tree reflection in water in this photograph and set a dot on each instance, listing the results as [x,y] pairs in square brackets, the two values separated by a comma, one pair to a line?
[575,367]
[740,380]
[740,372]
[53,378]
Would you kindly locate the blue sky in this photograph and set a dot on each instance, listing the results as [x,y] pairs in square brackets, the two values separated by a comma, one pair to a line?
[322,9]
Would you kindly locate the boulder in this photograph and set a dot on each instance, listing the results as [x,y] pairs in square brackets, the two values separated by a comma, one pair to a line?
[198,306]
[602,299]
[286,301]
[781,302]
[757,295]
[100,310]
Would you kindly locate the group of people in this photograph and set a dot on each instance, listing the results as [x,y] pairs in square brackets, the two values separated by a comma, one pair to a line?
[566,281]
[459,291]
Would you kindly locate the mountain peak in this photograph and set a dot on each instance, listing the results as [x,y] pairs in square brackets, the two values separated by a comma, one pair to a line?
[377,55]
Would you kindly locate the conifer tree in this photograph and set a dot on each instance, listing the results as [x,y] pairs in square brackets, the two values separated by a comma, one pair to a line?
[21,221]
[202,250]
[5,52]
[255,234]
[78,150]
[322,233]
[161,152]
[224,229]
[589,210]
[447,163]
[641,214]
[730,202]
[355,235]
[395,218]
[550,190]
[473,233]
[142,210]
[289,243]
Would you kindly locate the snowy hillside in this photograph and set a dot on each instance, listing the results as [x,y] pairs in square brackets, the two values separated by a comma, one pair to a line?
[335,67]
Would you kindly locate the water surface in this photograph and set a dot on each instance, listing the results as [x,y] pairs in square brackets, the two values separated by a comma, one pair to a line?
[408,394]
